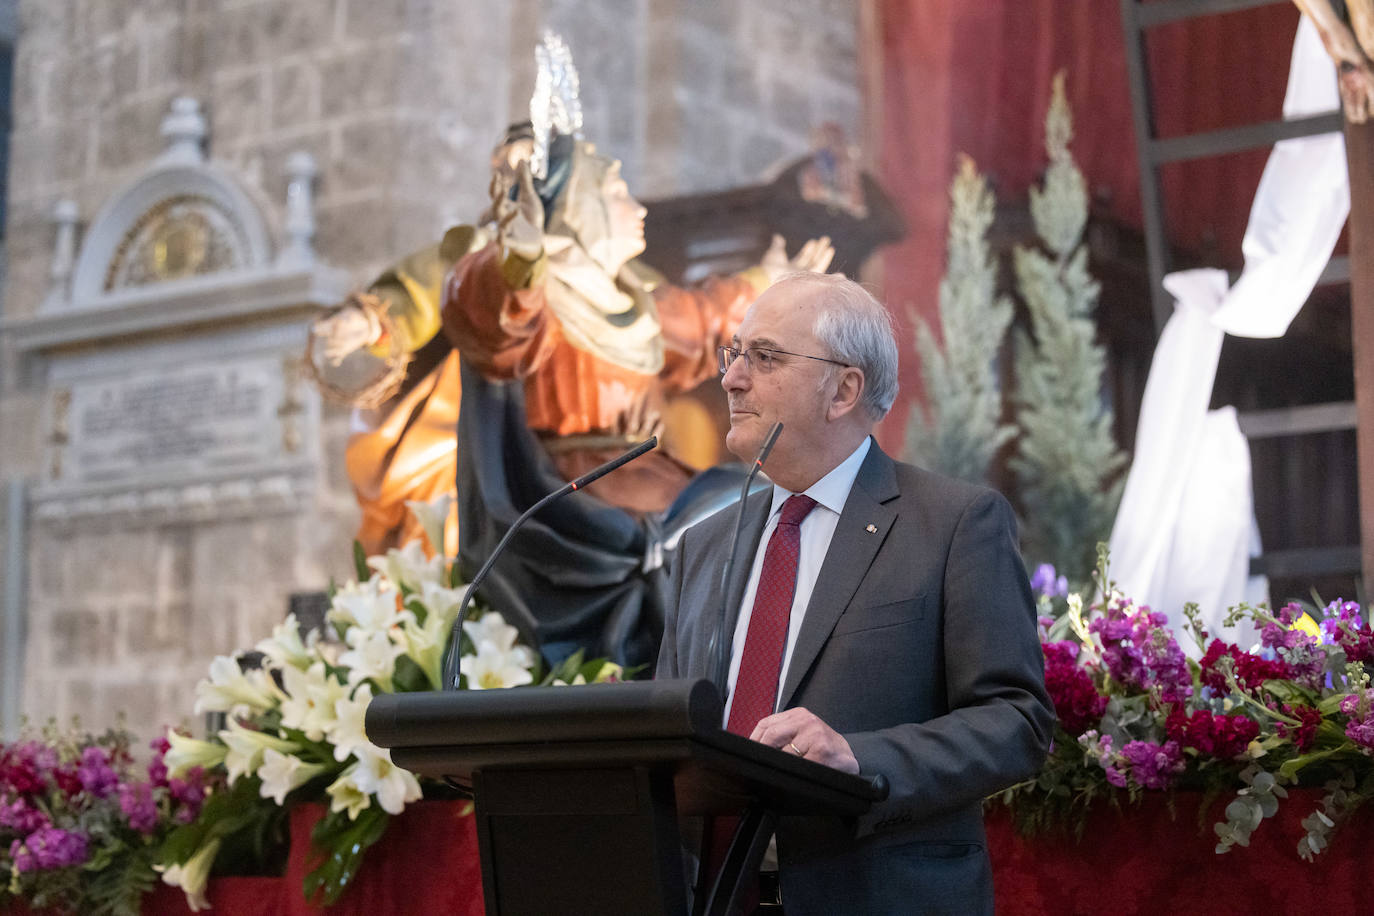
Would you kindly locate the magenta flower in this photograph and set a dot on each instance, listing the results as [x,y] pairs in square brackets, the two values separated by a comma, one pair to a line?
[49,847]
[1140,653]
[157,767]
[1217,735]
[189,794]
[1154,766]
[136,801]
[97,776]
[1076,700]
[21,817]
[1345,626]
[1360,729]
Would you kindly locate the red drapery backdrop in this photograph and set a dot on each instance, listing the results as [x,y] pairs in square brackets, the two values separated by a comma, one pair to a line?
[975,78]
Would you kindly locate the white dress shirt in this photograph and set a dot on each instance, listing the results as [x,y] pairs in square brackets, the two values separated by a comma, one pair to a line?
[830,493]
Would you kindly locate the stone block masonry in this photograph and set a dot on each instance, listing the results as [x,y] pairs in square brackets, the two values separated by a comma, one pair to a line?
[399,102]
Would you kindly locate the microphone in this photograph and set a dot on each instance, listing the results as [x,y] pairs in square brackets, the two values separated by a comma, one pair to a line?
[450,677]
[718,650]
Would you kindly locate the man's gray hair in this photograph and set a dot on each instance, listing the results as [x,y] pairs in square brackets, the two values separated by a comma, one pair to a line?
[857,330]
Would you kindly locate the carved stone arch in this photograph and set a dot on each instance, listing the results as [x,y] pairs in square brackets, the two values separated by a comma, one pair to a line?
[183,217]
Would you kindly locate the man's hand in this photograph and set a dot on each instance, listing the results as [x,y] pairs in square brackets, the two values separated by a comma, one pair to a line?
[815,255]
[800,731]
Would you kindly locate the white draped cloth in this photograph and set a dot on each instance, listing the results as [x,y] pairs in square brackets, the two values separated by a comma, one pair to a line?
[1185,529]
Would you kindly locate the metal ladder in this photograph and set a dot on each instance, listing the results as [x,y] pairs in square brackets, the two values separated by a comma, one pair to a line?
[1153,152]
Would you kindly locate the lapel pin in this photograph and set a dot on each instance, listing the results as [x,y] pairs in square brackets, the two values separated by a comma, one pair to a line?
[872,529]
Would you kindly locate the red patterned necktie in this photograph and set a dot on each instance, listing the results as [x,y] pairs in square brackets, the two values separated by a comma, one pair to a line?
[760,666]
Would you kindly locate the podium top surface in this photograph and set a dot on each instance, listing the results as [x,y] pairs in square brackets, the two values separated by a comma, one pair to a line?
[669,724]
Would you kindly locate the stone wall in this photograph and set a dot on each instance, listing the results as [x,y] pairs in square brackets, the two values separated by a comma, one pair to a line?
[399,101]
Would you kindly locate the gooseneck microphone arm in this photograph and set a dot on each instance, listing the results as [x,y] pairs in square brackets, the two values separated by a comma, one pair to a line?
[718,651]
[450,676]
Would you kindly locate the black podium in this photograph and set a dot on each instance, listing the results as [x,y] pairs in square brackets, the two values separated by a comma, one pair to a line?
[578,790]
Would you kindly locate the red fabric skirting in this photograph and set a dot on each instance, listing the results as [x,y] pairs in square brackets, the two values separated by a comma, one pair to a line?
[1141,861]
[1136,861]
[426,862]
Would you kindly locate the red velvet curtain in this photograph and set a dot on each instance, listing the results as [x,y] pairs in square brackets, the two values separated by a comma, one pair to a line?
[975,77]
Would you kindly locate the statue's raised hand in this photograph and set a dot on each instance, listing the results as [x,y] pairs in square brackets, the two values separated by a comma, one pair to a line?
[815,255]
[519,217]
[344,330]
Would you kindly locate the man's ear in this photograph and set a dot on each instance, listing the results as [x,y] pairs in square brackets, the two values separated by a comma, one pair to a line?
[848,390]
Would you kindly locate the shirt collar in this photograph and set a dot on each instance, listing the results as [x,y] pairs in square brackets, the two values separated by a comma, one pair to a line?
[832,490]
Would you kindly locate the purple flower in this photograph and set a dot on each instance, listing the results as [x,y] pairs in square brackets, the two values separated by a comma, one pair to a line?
[1360,728]
[1153,765]
[157,767]
[49,847]
[1301,651]
[1098,749]
[21,818]
[97,776]
[189,793]
[1140,653]
[136,801]
[1047,583]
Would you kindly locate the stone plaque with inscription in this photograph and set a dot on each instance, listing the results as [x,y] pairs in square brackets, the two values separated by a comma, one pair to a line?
[183,422]
[220,424]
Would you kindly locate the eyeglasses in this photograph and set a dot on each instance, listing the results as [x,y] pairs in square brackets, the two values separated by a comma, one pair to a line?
[762,359]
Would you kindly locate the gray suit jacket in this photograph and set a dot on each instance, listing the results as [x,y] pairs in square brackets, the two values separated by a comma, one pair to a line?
[919,646]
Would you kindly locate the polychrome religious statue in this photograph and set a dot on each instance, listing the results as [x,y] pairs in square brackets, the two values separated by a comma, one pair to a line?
[547,343]
[1349,40]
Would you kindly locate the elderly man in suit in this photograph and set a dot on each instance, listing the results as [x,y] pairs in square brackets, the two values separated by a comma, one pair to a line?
[886,623]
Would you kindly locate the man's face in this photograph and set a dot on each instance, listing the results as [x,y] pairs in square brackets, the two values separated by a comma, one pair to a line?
[795,391]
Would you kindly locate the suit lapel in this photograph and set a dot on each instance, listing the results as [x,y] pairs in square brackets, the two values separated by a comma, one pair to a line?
[852,550]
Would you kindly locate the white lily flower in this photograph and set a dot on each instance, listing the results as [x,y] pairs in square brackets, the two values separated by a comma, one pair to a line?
[229,687]
[492,668]
[192,875]
[186,753]
[285,646]
[393,786]
[576,682]
[280,773]
[372,655]
[373,605]
[425,643]
[349,732]
[346,795]
[409,566]
[309,705]
[246,748]
[492,628]
[610,671]
[432,516]
[442,601]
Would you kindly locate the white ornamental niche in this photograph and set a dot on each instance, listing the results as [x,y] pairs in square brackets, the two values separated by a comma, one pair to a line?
[168,347]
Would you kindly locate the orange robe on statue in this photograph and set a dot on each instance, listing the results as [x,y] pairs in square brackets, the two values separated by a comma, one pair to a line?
[584,408]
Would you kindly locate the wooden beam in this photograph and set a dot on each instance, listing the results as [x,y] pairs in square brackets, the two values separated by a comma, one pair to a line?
[1164,11]
[1359,148]
[1157,256]
[1307,562]
[1297,421]
[1236,139]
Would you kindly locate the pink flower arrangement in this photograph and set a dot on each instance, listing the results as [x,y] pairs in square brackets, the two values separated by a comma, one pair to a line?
[69,802]
[1136,715]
